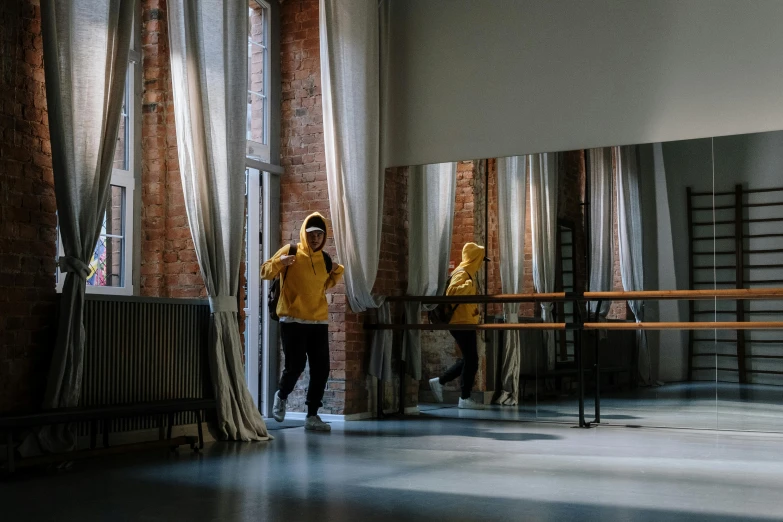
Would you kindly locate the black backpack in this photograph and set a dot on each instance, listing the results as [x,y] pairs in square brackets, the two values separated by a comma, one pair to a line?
[443,313]
[275,289]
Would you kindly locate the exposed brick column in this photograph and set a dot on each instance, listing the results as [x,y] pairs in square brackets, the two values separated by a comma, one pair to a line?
[27,211]
[169,266]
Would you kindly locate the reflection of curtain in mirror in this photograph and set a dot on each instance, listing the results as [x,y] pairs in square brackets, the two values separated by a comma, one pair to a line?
[431,194]
[543,200]
[353,57]
[600,162]
[629,221]
[512,184]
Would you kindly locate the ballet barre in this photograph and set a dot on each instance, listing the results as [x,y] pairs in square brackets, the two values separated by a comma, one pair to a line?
[581,325]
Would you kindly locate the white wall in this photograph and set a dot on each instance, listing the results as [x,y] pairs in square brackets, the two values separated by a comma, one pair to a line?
[478,79]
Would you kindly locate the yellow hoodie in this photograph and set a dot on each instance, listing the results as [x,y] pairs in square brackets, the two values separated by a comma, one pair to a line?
[463,282]
[304,285]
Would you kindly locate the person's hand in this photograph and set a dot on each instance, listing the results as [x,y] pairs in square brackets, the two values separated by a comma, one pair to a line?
[288,260]
[334,268]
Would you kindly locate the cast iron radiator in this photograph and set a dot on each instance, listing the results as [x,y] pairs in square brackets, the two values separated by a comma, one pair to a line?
[141,349]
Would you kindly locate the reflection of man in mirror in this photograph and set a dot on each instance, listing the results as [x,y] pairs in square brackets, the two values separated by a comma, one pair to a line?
[306,273]
[463,282]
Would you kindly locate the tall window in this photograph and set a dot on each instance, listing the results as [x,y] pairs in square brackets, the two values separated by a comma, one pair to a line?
[111,262]
[258,80]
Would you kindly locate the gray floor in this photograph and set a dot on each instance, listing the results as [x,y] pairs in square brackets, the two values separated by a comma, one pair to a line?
[425,469]
[702,405]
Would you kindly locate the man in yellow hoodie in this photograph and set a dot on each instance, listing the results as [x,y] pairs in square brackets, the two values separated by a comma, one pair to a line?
[304,316]
[463,282]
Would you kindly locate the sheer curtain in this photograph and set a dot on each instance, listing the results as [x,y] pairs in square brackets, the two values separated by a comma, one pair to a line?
[431,195]
[208,44]
[352,80]
[601,236]
[85,47]
[543,199]
[629,207]
[512,187]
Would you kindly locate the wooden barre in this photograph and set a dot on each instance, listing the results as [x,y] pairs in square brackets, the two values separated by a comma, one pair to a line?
[720,325]
[495,298]
[655,295]
[730,293]
[468,327]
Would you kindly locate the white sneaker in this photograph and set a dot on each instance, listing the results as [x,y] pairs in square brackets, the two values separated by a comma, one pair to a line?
[315,423]
[470,404]
[278,410]
[437,388]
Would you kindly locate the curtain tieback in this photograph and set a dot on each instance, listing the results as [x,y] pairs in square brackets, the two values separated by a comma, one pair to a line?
[223,303]
[74,265]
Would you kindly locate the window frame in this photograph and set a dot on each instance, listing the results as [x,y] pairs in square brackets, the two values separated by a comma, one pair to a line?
[254,149]
[262,163]
[127,180]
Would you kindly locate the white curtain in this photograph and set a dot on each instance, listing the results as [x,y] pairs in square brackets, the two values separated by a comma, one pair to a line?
[629,205]
[543,200]
[512,187]
[431,195]
[350,76]
[353,93]
[85,46]
[601,236]
[208,44]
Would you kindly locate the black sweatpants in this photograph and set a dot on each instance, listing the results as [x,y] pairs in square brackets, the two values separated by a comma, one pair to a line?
[466,367]
[300,343]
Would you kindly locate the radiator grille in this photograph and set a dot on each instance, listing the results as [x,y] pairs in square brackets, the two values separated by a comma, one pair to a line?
[145,349]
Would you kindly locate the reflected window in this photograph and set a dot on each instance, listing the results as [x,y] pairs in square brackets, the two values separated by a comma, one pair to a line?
[258,80]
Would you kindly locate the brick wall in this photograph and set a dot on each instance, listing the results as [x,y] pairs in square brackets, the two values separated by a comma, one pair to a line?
[392,279]
[169,266]
[463,211]
[303,185]
[27,211]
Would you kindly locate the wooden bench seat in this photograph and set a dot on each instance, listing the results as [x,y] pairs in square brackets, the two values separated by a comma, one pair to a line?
[104,414]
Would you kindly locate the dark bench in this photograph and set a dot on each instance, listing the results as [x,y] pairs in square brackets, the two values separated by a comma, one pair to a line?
[104,414]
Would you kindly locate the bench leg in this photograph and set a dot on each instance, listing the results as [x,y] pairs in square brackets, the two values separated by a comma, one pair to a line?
[9,440]
[200,431]
[106,424]
[170,426]
[93,434]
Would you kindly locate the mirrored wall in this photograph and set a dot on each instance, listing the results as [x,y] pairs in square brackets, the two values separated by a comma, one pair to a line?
[699,214]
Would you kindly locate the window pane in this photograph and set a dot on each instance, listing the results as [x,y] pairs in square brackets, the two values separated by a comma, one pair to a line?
[121,149]
[107,266]
[257,51]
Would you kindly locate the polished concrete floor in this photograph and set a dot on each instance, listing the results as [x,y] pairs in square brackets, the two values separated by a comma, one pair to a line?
[424,469]
[703,405]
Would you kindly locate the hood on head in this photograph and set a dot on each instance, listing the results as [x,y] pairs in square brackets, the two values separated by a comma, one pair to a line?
[472,257]
[314,219]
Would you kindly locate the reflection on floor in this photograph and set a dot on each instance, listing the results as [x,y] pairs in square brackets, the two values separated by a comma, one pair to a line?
[705,405]
[424,469]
